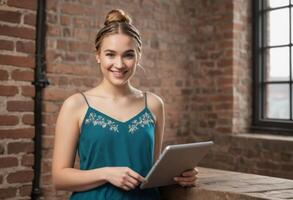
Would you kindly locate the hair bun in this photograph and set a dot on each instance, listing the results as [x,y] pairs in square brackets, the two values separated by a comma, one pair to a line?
[117,15]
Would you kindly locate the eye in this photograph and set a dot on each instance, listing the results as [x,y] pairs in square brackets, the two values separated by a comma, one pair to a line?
[129,55]
[110,54]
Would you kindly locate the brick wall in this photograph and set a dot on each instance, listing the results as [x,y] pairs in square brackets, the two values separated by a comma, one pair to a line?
[17,47]
[221,99]
[212,95]
[166,31]
[196,55]
[222,94]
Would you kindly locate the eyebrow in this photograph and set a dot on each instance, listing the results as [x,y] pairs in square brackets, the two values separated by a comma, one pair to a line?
[129,50]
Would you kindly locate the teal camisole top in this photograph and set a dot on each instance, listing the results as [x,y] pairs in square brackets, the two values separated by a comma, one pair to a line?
[107,142]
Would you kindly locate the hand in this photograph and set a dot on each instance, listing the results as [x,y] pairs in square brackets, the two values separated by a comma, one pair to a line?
[123,177]
[187,178]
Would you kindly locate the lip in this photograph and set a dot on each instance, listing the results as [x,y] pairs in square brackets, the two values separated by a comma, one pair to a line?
[118,74]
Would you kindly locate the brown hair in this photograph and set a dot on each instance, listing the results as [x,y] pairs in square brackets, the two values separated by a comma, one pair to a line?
[117,21]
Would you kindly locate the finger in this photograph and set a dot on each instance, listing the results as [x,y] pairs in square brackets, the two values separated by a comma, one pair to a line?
[190,172]
[125,187]
[129,184]
[136,176]
[185,179]
[132,180]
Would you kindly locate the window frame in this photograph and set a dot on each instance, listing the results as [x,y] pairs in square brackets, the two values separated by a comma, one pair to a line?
[259,122]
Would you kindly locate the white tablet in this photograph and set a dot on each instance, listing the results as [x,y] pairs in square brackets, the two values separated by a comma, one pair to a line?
[174,160]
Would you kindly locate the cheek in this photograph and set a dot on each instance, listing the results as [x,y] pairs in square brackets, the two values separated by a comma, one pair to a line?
[130,63]
[107,62]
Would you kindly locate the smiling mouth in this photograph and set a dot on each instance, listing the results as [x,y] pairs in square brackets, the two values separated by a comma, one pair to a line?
[118,74]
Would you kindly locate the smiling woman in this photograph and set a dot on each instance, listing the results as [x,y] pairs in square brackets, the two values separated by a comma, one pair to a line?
[117,58]
[116,128]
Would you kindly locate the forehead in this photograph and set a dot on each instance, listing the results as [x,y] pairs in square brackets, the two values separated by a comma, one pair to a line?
[118,42]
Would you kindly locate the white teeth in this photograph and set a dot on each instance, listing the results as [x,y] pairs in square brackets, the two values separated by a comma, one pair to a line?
[120,72]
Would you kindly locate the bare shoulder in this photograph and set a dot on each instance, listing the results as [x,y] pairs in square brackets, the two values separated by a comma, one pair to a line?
[154,100]
[74,101]
[155,104]
[74,104]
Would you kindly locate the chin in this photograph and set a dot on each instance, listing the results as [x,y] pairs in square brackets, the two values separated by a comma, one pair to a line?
[118,82]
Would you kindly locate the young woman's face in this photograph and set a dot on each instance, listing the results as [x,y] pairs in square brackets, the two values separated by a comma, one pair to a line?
[117,58]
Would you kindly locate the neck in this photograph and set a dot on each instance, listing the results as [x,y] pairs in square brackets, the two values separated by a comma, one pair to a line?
[114,91]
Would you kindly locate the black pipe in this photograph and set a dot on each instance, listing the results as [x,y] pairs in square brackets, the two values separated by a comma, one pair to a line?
[39,82]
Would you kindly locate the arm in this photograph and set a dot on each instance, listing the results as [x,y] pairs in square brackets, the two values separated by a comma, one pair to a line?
[65,177]
[156,105]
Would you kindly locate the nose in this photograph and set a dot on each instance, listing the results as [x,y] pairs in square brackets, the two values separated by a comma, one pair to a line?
[119,63]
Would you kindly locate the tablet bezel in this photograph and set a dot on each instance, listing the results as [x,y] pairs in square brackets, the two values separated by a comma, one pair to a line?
[200,146]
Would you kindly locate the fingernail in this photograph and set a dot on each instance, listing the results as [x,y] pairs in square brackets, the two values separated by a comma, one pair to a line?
[176,179]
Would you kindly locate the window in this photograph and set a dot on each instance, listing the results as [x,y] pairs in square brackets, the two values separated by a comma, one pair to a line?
[273,71]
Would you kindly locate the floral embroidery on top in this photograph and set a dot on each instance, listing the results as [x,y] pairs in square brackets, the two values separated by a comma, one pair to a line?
[101,121]
[142,121]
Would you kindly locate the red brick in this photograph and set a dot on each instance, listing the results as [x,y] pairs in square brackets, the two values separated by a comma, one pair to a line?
[17,133]
[19,147]
[28,91]
[81,34]
[79,46]
[226,130]
[6,45]
[19,61]
[86,1]
[224,81]
[52,5]
[28,4]
[8,90]
[65,20]
[20,106]
[25,47]
[50,107]
[222,98]
[2,150]
[52,18]
[79,22]
[48,153]
[3,75]
[21,32]
[27,160]
[8,120]
[22,75]
[57,93]
[226,62]
[54,30]
[6,193]
[6,162]
[30,19]
[72,8]
[10,16]
[46,165]
[28,119]
[20,176]
[25,190]
[49,119]
[224,106]
[48,142]
[61,44]
[46,179]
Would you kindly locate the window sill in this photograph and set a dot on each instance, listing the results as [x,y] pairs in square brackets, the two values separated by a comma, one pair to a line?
[259,136]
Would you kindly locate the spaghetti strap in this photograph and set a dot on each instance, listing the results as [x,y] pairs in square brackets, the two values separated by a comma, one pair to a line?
[145,99]
[85,99]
